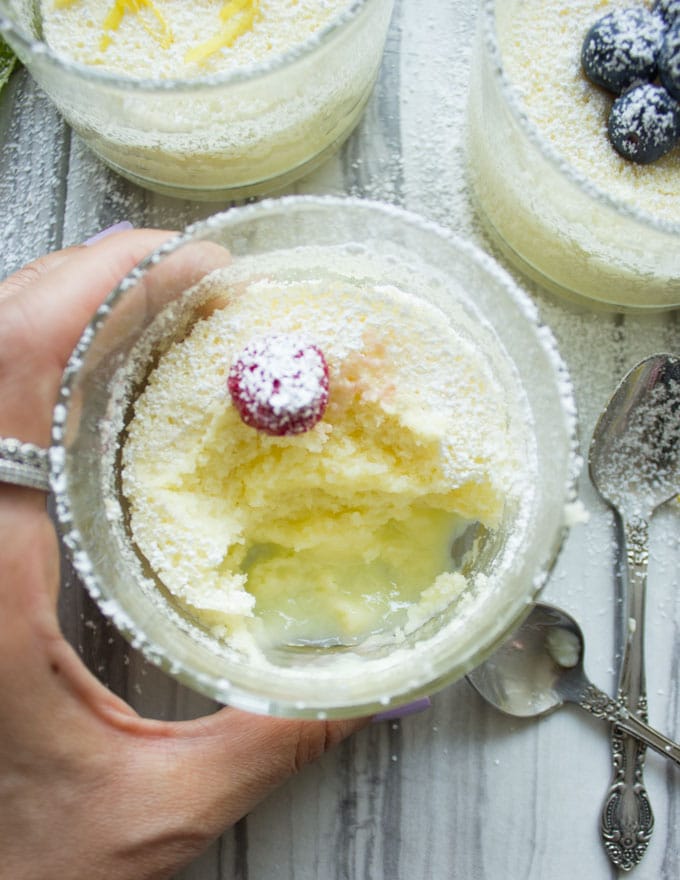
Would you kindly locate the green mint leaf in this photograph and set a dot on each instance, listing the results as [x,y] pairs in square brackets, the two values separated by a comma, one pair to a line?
[7,62]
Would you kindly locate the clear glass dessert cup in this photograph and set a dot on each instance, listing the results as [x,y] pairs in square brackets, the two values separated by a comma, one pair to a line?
[228,136]
[556,226]
[366,243]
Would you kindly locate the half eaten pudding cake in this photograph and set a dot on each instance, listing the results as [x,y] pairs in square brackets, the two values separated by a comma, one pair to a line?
[314,457]
[319,463]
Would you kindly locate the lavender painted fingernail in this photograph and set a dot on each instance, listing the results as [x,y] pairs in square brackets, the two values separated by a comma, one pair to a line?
[117,227]
[403,711]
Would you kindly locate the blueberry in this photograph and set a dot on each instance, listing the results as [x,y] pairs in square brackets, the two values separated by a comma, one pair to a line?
[644,123]
[669,10]
[669,60]
[621,48]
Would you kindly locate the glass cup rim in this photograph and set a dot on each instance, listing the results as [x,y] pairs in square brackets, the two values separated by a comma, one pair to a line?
[244,73]
[215,686]
[552,156]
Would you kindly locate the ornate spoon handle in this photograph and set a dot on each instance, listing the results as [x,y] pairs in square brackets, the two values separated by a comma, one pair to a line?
[627,818]
[599,704]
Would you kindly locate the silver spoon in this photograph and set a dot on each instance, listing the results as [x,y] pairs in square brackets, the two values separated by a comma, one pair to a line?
[634,463]
[540,668]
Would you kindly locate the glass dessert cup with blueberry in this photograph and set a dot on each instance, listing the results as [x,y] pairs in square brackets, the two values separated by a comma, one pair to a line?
[569,187]
[313,457]
[230,131]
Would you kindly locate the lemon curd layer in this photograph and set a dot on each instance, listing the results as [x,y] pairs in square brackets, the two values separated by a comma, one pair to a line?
[346,530]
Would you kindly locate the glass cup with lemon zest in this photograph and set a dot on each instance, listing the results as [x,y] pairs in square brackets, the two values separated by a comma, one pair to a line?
[210,101]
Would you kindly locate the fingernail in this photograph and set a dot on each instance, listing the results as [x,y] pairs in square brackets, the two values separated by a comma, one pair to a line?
[403,711]
[117,227]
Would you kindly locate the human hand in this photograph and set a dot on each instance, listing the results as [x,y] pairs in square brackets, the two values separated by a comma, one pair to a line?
[88,789]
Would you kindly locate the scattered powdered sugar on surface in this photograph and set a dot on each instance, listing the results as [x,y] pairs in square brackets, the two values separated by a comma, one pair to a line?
[433,143]
[30,166]
[542,56]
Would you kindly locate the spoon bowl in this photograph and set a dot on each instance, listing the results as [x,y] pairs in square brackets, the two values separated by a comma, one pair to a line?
[634,457]
[540,668]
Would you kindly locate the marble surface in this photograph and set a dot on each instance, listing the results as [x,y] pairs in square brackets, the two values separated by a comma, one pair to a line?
[457,791]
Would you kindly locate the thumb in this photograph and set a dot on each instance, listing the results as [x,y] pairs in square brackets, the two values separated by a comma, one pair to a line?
[219,767]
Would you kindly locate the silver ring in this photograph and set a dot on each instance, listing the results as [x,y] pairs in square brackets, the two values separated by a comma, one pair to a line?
[24,464]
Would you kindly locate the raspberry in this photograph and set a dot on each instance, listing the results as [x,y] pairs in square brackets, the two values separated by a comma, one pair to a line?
[279,384]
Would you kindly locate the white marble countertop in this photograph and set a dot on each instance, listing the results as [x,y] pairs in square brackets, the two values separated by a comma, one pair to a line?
[457,791]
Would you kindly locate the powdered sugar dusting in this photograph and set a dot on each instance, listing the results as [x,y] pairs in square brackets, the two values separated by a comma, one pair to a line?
[75,31]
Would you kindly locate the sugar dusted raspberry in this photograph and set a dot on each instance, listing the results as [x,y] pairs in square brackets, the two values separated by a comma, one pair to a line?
[279,384]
